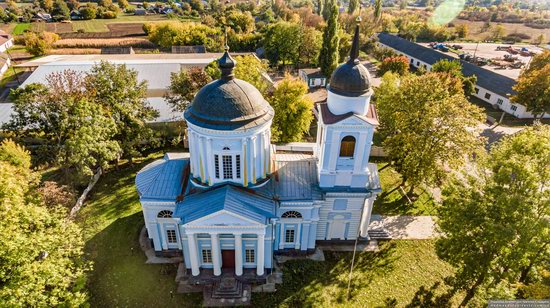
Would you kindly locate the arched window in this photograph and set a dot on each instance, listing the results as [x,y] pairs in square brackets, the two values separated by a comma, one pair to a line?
[165,214]
[226,149]
[291,214]
[347,146]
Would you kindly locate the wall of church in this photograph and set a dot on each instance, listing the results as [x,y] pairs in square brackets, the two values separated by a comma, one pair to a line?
[157,227]
[340,215]
[297,225]
[341,104]
[240,157]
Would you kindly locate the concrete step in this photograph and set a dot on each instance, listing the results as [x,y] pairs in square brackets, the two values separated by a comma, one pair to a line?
[379,233]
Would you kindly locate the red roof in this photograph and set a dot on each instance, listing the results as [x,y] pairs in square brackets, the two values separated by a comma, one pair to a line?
[329,118]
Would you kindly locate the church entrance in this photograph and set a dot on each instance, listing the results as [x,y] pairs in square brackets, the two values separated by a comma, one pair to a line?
[337,230]
[228,258]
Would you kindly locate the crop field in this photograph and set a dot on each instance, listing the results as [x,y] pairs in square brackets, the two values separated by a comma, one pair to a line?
[140,42]
[100,25]
[475,27]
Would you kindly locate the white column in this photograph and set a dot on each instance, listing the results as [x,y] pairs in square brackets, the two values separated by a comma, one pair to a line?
[249,158]
[209,161]
[260,258]
[334,151]
[360,153]
[190,144]
[254,157]
[200,160]
[216,262]
[238,254]
[193,255]
[261,155]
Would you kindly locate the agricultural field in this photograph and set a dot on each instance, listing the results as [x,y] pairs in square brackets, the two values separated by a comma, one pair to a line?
[475,32]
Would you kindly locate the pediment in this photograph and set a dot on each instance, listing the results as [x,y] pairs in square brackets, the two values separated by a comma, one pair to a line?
[354,120]
[223,218]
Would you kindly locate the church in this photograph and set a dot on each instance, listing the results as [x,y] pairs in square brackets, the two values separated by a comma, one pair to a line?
[234,202]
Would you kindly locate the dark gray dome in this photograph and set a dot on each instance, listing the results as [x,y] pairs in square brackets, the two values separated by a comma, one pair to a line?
[229,104]
[351,78]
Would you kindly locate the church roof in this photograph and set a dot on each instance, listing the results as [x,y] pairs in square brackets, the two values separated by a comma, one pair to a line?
[162,179]
[351,79]
[330,118]
[228,103]
[237,200]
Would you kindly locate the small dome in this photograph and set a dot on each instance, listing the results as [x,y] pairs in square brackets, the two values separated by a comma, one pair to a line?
[229,105]
[350,79]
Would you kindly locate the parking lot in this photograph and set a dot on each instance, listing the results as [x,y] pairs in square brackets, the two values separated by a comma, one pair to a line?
[488,51]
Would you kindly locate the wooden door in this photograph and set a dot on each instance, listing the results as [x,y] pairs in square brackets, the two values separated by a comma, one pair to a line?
[228,258]
[337,230]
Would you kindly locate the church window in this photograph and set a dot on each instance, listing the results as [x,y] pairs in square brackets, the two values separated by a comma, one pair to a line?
[171,236]
[238,166]
[206,256]
[249,255]
[514,107]
[289,235]
[227,161]
[217,166]
[165,214]
[487,95]
[291,214]
[500,101]
[347,147]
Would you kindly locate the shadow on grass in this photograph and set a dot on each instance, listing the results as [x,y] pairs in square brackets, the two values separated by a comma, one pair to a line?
[432,297]
[302,278]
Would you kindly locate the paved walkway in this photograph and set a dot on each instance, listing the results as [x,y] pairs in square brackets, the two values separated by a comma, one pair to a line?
[406,227]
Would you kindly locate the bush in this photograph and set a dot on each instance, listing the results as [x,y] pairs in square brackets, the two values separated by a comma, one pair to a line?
[38,44]
[397,64]
[108,15]
[517,37]
[88,13]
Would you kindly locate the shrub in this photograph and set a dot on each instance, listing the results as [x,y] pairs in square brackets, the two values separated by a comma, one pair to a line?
[38,44]
[397,64]
[88,13]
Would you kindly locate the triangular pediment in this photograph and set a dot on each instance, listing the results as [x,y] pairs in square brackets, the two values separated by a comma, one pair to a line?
[354,120]
[223,218]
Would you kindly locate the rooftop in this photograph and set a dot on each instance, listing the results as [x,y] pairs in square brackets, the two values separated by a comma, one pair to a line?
[329,118]
[486,79]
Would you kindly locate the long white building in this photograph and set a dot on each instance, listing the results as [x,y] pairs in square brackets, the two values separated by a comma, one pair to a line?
[491,87]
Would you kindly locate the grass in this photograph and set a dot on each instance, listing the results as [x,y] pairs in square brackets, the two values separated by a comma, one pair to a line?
[112,220]
[10,75]
[398,272]
[475,27]
[391,201]
[20,28]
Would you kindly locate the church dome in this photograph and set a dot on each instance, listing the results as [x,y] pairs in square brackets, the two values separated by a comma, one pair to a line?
[228,103]
[352,78]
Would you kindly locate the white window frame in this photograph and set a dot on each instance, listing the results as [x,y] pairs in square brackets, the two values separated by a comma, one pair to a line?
[249,252]
[293,229]
[514,108]
[500,101]
[219,170]
[206,255]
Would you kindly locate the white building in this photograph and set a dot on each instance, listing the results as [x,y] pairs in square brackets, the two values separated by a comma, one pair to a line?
[233,201]
[491,87]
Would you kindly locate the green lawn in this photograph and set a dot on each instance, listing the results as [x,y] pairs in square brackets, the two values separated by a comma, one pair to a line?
[391,201]
[112,220]
[20,28]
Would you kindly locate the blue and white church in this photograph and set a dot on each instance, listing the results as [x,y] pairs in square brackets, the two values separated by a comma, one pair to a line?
[233,201]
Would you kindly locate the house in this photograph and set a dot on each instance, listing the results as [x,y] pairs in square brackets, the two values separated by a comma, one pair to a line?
[313,77]
[45,17]
[189,49]
[233,202]
[491,87]
[140,12]
[4,64]
[6,41]
[76,15]
[117,50]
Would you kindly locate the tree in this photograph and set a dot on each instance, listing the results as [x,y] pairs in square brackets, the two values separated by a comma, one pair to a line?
[73,4]
[427,124]
[498,32]
[176,33]
[533,90]
[454,68]
[308,53]
[41,251]
[76,131]
[293,110]
[61,11]
[240,22]
[539,40]
[123,4]
[326,9]
[495,221]
[328,56]
[88,12]
[353,6]
[47,5]
[377,10]
[183,87]
[249,68]
[118,90]
[539,61]
[319,7]
[461,30]
[282,41]
[38,44]
[397,64]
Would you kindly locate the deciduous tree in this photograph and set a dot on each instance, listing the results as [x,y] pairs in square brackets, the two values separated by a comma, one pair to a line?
[397,64]
[183,87]
[427,125]
[495,218]
[293,110]
[328,56]
[249,68]
[282,41]
[38,44]
[353,6]
[41,251]
[454,68]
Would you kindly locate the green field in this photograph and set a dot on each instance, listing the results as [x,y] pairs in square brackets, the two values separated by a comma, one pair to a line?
[20,28]
[112,220]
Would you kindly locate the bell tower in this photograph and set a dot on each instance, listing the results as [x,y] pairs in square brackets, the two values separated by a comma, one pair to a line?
[346,125]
